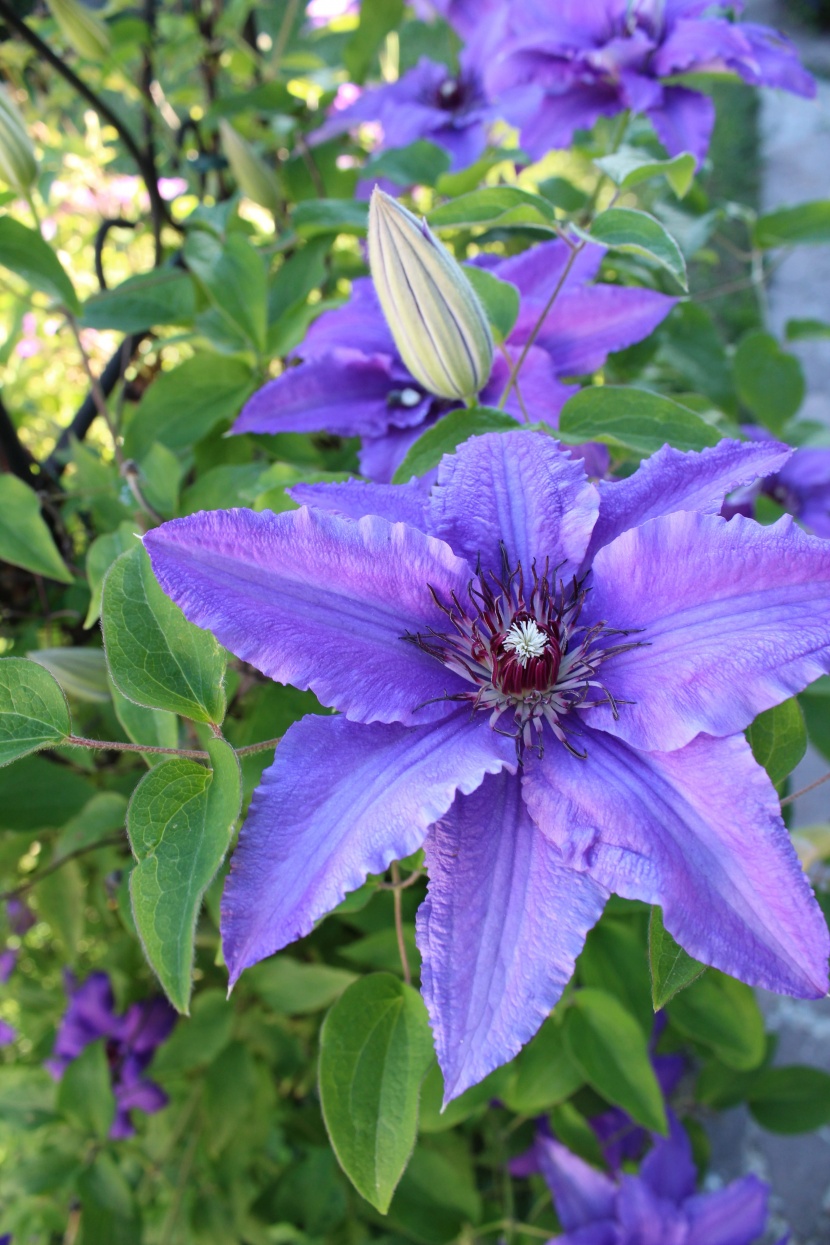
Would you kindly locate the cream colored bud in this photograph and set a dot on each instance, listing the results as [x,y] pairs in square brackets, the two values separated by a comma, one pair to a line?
[434,315]
[82,28]
[18,167]
[253,176]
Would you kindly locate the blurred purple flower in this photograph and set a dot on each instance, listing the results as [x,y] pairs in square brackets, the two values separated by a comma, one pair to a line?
[544,683]
[7,1034]
[430,102]
[8,959]
[562,64]
[465,16]
[352,382]
[131,1041]
[658,1206]
[801,487]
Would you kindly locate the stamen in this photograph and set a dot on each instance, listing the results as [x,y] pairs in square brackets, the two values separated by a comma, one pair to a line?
[526,641]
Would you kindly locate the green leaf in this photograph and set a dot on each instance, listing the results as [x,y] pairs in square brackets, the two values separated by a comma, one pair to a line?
[792,1099]
[156,657]
[614,959]
[806,330]
[100,556]
[437,1197]
[499,298]
[632,420]
[233,274]
[61,897]
[630,166]
[33,709]
[419,164]
[108,1209]
[563,194]
[722,1015]
[493,205]
[316,217]
[778,739]
[164,296]
[375,1048]
[81,672]
[543,1074]
[36,793]
[186,403]
[297,989]
[198,1039]
[672,968]
[230,1091]
[155,727]
[446,436]
[377,19]
[180,822]
[25,540]
[85,1094]
[434,1117]
[608,1046]
[24,251]
[769,380]
[805,225]
[637,233]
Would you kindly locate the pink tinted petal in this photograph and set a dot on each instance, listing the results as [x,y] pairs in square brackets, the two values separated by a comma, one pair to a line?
[736,1215]
[499,932]
[398,503]
[581,1194]
[586,325]
[518,491]
[735,618]
[671,480]
[684,121]
[699,832]
[318,601]
[340,801]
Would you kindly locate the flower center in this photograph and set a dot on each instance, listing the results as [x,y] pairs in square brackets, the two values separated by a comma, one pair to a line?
[450,94]
[406,398]
[526,653]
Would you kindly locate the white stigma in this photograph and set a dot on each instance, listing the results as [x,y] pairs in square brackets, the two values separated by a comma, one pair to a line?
[410,397]
[526,640]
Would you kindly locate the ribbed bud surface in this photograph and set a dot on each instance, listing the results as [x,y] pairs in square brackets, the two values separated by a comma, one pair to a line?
[253,176]
[434,315]
[18,167]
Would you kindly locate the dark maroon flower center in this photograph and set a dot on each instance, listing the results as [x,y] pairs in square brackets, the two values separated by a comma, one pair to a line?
[527,657]
[450,95]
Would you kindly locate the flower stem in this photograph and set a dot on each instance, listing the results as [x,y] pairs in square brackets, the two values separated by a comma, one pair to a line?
[114,745]
[397,901]
[804,790]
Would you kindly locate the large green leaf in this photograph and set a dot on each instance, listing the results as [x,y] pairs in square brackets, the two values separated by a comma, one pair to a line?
[419,164]
[375,1048]
[155,727]
[609,1047]
[81,672]
[156,657]
[163,296]
[85,1095]
[633,420]
[792,1099]
[24,252]
[778,738]
[233,274]
[769,380]
[806,224]
[377,19]
[722,1015]
[186,403]
[499,298]
[294,988]
[180,822]
[316,217]
[99,558]
[493,205]
[544,1074]
[25,540]
[446,436]
[637,233]
[672,968]
[33,709]
[630,166]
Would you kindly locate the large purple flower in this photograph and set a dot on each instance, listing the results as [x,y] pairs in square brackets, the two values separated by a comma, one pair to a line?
[352,381]
[658,1206]
[131,1041]
[565,63]
[544,683]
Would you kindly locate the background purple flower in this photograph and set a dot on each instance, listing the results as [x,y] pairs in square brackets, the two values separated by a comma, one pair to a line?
[352,381]
[544,683]
[131,1042]
[565,63]
[801,487]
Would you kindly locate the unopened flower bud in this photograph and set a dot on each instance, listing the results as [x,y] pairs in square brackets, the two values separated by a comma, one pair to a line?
[81,28]
[434,315]
[18,167]
[253,176]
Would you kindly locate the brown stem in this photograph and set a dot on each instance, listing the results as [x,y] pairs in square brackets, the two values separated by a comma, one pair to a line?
[195,754]
[796,795]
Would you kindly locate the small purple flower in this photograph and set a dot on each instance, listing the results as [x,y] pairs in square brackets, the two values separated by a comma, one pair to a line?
[562,64]
[352,381]
[131,1041]
[544,683]
[658,1206]
[7,1034]
[430,102]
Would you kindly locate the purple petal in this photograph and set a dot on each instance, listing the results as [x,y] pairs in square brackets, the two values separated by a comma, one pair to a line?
[515,491]
[146,1025]
[777,60]
[499,932]
[8,960]
[584,326]
[122,1126]
[89,1016]
[733,619]
[699,832]
[360,323]
[539,395]
[671,480]
[340,801]
[736,1215]
[537,272]
[318,601]
[7,1034]
[142,1096]
[646,1219]
[668,1169]
[581,1194]
[397,503]
[684,121]
[380,457]
[712,45]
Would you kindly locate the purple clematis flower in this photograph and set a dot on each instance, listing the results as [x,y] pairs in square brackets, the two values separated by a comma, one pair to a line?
[467,17]
[353,382]
[562,64]
[802,487]
[541,681]
[429,102]
[7,1034]
[131,1041]
[658,1206]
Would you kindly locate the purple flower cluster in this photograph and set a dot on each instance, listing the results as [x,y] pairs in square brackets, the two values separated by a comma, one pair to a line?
[543,682]
[352,381]
[659,1205]
[131,1042]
